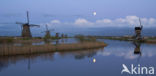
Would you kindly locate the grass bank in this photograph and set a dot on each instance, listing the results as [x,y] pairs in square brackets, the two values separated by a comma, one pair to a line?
[7,50]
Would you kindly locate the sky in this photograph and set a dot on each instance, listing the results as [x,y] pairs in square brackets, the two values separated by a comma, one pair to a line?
[78,13]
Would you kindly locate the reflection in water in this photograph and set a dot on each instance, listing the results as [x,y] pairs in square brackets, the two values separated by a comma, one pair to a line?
[57,42]
[78,55]
[94,60]
[62,40]
[7,60]
[128,50]
[29,62]
[101,62]
[137,47]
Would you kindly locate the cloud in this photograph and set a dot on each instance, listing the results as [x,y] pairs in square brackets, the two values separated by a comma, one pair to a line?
[52,22]
[152,21]
[55,22]
[132,20]
[128,21]
[82,22]
[120,20]
[107,21]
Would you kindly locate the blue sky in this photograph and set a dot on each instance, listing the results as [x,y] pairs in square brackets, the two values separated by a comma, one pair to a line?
[82,8]
[79,13]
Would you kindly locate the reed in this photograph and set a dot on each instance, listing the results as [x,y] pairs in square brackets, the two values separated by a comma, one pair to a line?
[6,40]
[7,50]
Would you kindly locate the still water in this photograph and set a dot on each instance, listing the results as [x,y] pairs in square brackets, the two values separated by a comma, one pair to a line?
[105,61]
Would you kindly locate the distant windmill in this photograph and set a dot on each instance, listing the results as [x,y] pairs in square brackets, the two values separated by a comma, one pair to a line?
[62,35]
[26,27]
[47,35]
[138,31]
[57,35]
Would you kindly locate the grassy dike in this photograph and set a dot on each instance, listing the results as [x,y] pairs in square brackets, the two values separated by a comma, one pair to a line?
[8,50]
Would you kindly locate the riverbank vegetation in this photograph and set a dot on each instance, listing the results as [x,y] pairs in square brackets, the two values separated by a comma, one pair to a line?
[21,46]
[82,38]
[150,40]
[6,50]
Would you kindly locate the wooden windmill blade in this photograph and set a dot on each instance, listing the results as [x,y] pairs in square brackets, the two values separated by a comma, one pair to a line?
[140,23]
[21,27]
[49,29]
[52,30]
[43,31]
[27,17]
[34,25]
[5,23]
[20,23]
[46,27]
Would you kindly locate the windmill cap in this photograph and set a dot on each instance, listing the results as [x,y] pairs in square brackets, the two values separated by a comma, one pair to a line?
[137,28]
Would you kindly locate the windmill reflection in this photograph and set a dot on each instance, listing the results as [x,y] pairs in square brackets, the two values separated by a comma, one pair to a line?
[57,42]
[30,59]
[29,62]
[137,49]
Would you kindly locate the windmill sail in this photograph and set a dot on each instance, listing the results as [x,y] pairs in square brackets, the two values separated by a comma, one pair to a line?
[27,17]
[20,23]
[140,23]
[32,25]
[46,27]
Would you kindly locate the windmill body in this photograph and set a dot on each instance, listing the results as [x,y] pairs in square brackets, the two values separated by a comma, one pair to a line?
[138,33]
[62,35]
[47,32]
[48,35]
[26,31]
[57,35]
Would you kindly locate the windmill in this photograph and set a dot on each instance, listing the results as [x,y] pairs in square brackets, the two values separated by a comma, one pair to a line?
[62,35]
[47,35]
[138,31]
[26,27]
[57,35]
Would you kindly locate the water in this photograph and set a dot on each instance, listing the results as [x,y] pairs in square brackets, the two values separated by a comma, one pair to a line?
[98,62]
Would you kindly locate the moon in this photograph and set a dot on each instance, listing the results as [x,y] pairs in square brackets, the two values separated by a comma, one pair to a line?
[94,13]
